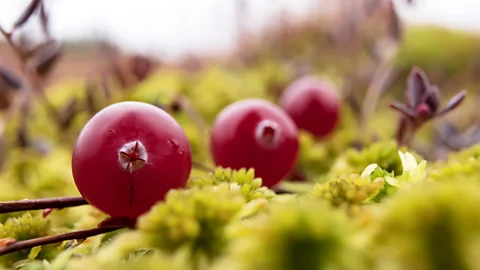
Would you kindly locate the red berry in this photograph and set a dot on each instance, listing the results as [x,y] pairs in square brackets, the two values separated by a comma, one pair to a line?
[313,105]
[257,134]
[128,156]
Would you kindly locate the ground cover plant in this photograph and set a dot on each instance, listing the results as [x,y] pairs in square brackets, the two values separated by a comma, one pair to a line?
[328,148]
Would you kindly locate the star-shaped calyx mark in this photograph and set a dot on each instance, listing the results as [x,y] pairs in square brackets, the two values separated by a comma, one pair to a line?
[132,157]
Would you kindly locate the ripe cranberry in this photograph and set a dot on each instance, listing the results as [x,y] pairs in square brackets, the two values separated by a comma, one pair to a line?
[313,105]
[128,156]
[257,134]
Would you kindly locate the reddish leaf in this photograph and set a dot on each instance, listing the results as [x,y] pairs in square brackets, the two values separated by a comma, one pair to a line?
[416,88]
[453,103]
[10,79]
[433,98]
[45,62]
[27,13]
[403,109]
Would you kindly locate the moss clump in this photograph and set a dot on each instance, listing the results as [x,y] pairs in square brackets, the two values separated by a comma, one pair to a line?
[292,234]
[192,219]
[384,153]
[434,226]
[26,227]
[348,190]
[242,179]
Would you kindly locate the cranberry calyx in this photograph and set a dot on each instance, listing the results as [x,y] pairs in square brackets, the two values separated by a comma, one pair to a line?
[258,134]
[267,133]
[132,156]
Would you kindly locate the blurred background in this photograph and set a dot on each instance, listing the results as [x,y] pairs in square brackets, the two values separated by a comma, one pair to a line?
[213,52]
[172,29]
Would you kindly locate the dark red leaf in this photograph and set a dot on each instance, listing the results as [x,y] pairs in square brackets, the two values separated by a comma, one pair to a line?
[27,13]
[417,86]
[45,62]
[432,98]
[44,19]
[32,52]
[403,109]
[453,103]
[10,79]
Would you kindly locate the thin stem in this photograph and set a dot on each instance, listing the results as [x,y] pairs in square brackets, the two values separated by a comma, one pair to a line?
[376,87]
[26,244]
[38,204]
[280,191]
[202,167]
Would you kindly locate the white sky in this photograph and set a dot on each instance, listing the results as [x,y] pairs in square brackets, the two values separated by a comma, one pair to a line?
[173,27]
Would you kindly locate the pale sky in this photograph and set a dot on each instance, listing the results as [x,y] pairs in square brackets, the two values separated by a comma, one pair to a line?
[173,27]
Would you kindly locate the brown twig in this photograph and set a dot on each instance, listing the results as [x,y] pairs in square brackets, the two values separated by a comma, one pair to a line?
[38,204]
[26,244]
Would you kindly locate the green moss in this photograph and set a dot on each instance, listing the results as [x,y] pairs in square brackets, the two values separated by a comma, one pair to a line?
[193,218]
[244,180]
[26,227]
[348,189]
[292,234]
[432,227]
[384,153]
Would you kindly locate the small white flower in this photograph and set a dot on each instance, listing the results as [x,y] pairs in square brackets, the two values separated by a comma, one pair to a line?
[413,172]
[409,162]
[368,170]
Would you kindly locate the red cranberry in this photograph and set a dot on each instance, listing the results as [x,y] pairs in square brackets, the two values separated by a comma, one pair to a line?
[128,156]
[257,134]
[313,105]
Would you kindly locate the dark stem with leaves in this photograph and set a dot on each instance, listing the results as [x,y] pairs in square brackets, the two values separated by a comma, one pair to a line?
[39,204]
[34,62]
[27,244]
[421,105]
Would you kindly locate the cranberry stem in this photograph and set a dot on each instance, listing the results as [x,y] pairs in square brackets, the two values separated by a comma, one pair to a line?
[83,234]
[38,204]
